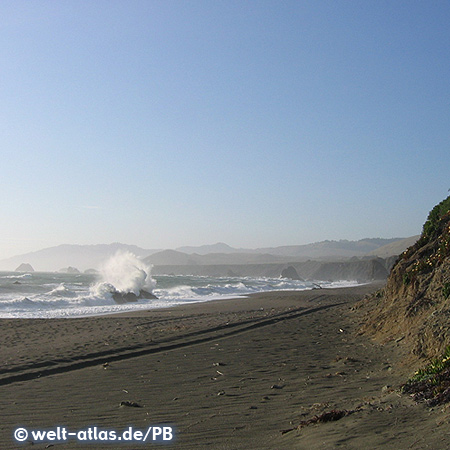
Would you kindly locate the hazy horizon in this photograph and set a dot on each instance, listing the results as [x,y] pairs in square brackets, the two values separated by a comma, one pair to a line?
[181,247]
[165,124]
[94,256]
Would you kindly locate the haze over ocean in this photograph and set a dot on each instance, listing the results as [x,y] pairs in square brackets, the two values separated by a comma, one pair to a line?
[258,124]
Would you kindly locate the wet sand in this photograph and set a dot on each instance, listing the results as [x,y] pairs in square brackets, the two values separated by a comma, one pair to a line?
[229,374]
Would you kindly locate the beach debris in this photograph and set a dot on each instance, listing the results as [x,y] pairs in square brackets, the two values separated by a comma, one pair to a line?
[347,359]
[105,365]
[328,416]
[130,404]
[336,374]
[221,393]
[277,386]
[217,364]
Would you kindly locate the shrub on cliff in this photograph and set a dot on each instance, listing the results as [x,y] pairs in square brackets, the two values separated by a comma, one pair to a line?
[432,248]
[439,213]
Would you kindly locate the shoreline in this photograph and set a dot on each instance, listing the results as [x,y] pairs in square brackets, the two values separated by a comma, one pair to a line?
[228,374]
[78,300]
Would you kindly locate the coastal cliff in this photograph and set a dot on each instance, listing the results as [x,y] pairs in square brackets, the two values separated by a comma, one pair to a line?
[359,270]
[414,307]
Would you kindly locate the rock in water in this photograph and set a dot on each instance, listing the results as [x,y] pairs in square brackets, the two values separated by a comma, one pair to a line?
[69,270]
[146,295]
[290,273]
[128,297]
[24,267]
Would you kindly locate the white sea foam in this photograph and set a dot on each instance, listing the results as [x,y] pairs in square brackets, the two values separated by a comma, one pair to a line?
[61,290]
[22,275]
[68,295]
[124,272]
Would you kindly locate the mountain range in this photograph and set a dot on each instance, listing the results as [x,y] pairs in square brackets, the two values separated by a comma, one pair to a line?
[86,257]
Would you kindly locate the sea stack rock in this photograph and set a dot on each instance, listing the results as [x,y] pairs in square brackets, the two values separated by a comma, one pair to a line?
[71,270]
[25,267]
[129,297]
[290,273]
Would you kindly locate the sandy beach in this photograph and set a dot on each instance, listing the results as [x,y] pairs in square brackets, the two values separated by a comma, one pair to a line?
[231,374]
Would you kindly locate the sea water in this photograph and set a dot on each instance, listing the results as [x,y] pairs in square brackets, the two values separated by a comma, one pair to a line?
[56,295]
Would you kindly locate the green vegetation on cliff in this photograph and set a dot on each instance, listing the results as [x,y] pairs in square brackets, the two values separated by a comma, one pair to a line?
[433,247]
[439,213]
[431,383]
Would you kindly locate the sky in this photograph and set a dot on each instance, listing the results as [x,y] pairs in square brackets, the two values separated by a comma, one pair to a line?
[255,123]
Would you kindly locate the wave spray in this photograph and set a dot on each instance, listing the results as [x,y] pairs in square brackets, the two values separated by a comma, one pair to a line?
[124,272]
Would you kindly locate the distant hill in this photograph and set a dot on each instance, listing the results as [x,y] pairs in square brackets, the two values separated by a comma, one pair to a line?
[394,248]
[170,257]
[177,258]
[220,247]
[318,250]
[85,257]
[82,257]
[330,249]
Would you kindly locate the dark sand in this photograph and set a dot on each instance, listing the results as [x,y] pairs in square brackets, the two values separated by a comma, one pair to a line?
[230,374]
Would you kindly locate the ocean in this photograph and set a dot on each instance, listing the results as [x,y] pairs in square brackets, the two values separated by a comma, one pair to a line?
[59,295]
[47,295]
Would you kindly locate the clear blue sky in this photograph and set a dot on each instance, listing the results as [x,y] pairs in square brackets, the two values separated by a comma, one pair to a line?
[256,123]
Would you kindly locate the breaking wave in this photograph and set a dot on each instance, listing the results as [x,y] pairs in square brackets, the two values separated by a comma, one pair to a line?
[125,273]
[48,295]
